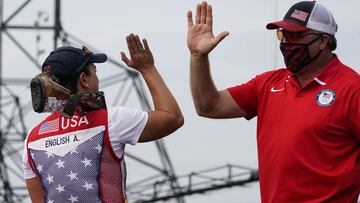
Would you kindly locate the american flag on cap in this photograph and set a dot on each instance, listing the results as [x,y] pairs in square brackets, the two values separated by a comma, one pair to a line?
[301,15]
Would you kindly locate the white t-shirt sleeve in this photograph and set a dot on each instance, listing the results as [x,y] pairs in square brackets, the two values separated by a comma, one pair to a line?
[28,172]
[125,126]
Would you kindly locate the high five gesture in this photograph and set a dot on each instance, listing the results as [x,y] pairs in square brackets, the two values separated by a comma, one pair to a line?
[200,38]
[208,101]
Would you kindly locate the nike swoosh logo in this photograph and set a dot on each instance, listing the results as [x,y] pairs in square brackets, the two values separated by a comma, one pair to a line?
[276,90]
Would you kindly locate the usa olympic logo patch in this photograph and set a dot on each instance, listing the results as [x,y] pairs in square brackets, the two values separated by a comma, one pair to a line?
[325,97]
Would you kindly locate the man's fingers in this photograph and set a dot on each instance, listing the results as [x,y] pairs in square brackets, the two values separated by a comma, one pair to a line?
[221,36]
[189,18]
[203,12]
[209,19]
[198,13]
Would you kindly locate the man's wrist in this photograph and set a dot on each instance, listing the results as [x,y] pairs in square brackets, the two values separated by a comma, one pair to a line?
[199,56]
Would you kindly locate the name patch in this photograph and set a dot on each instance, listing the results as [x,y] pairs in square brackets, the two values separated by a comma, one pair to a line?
[61,141]
[62,144]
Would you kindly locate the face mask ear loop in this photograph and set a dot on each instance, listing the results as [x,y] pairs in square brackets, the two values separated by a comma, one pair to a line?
[318,54]
[312,59]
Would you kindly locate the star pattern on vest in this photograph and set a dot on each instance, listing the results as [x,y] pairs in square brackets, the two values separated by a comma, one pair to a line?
[50,178]
[49,154]
[73,199]
[88,186]
[60,188]
[98,147]
[74,176]
[39,167]
[86,162]
[60,164]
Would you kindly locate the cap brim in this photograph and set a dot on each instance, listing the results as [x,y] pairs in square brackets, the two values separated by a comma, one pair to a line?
[98,58]
[286,25]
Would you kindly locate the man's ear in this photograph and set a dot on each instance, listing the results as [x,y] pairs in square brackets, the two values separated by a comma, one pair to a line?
[324,41]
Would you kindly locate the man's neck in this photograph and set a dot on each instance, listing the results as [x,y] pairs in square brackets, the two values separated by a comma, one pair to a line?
[309,72]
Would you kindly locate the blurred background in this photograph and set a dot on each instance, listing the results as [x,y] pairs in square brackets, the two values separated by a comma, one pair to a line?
[204,161]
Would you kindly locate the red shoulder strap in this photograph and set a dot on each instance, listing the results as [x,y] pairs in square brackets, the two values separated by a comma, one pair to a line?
[103,117]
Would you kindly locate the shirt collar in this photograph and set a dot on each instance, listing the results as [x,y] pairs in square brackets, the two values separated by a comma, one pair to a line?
[326,74]
[329,71]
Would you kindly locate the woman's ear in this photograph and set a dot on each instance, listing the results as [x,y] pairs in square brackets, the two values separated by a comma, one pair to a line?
[82,81]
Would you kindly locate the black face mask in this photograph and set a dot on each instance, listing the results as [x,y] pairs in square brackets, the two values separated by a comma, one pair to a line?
[297,55]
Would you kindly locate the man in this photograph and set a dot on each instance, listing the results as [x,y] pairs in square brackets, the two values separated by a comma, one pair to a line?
[308,113]
[82,159]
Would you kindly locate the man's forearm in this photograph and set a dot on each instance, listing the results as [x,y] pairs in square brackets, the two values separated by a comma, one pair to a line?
[203,89]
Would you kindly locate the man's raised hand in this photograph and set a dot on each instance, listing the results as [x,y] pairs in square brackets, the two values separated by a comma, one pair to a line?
[200,38]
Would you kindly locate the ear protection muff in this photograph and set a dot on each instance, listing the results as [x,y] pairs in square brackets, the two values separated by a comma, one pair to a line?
[47,95]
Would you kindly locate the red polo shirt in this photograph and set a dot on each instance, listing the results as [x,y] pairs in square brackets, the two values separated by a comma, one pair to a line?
[308,138]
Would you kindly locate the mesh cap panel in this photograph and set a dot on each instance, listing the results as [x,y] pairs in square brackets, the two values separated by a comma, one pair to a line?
[322,20]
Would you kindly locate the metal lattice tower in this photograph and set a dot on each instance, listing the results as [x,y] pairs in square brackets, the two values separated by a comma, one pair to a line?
[162,186]
[8,192]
